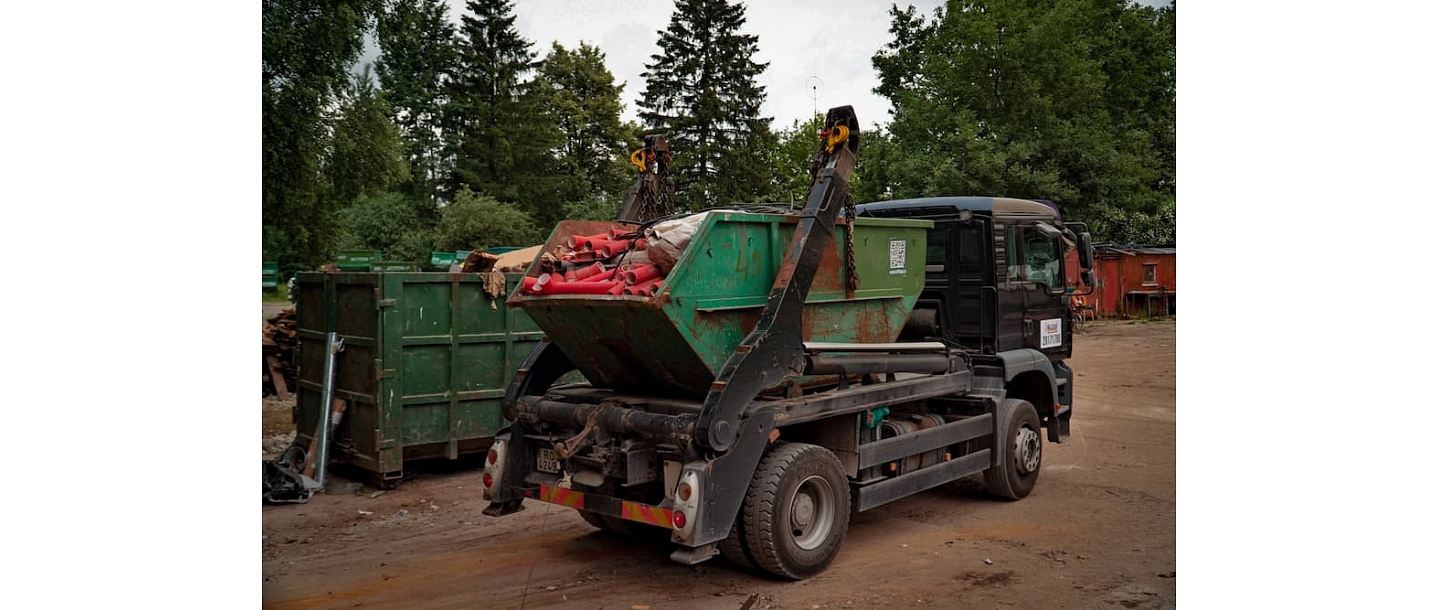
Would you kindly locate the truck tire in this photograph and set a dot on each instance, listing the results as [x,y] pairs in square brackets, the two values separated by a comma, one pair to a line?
[1020,450]
[796,510]
[733,546]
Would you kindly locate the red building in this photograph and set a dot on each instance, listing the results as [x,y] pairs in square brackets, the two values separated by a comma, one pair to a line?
[1131,281]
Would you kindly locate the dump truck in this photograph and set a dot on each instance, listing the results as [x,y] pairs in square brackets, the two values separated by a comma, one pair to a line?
[792,367]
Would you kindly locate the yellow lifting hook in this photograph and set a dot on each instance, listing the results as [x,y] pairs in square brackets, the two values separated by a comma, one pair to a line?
[838,134]
[637,158]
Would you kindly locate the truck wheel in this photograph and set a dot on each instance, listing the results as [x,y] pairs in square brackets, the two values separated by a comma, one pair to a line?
[796,510]
[733,546]
[1020,448]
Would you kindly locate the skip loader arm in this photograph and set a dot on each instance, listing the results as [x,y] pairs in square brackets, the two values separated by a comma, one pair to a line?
[774,351]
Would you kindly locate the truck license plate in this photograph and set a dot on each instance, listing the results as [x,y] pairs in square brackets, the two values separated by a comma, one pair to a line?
[547,461]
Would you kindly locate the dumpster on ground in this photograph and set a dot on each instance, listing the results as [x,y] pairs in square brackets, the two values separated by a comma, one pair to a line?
[394,267]
[270,275]
[442,260]
[356,260]
[426,362]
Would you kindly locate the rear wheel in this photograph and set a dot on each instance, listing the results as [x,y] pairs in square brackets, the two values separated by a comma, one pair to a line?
[1020,449]
[733,546]
[796,511]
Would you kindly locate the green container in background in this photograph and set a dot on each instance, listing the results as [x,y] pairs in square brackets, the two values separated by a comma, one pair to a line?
[270,275]
[426,362]
[676,342]
[442,260]
[356,260]
[394,267]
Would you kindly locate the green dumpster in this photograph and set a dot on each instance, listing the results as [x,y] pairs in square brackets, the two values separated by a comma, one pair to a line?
[677,341]
[442,260]
[394,267]
[270,275]
[356,260]
[426,361]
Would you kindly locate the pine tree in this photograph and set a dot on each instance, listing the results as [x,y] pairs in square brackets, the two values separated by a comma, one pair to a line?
[417,47]
[500,139]
[701,90]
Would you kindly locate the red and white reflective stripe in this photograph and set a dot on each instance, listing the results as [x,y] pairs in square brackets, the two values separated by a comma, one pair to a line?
[561,496]
[644,513]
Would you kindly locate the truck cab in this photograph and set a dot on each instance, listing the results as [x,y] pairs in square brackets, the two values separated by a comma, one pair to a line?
[995,283]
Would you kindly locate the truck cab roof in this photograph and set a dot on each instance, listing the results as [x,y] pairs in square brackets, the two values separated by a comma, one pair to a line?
[935,208]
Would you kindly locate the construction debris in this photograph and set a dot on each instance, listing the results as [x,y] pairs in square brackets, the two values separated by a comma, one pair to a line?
[278,340]
[517,260]
[615,262]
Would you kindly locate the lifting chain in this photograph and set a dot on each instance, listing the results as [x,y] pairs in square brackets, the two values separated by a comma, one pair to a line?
[659,199]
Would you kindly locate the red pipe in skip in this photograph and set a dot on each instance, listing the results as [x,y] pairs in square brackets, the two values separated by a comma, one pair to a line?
[642,274]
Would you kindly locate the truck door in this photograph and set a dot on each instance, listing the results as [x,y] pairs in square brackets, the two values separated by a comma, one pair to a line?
[955,268]
[1034,301]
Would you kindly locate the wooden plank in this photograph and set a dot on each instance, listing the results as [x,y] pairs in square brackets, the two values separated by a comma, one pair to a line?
[277,377]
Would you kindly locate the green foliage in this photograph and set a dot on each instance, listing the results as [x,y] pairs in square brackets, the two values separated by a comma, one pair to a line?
[417,48]
[366,154]
[390,222]
[701,91]
[791,160]
[594,207]
[1067,100]
[280,294]
[306,48]
[497,132]
[476,221]
[579,94]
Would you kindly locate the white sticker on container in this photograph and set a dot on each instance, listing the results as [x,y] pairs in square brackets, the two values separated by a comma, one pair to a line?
[897,257]
[1050,333]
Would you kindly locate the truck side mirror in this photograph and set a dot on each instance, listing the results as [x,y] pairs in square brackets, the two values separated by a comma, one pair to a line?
[1087,255]
[1088,277]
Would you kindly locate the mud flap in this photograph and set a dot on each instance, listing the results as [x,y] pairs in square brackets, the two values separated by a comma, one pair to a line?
[1058,428]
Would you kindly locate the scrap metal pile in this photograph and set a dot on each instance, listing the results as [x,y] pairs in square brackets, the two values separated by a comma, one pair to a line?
[616,262]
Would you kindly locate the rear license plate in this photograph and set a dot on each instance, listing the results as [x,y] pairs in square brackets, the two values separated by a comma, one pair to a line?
[547,461]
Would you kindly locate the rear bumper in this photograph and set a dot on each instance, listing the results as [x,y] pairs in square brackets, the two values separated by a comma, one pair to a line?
[600,504]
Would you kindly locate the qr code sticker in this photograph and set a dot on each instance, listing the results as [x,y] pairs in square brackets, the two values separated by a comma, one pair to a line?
[897,257]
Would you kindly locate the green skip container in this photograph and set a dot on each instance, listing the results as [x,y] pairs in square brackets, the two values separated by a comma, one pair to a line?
[426,362]
[675,342]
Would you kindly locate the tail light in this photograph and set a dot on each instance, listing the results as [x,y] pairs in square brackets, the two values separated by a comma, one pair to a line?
[686,506]
[494,466]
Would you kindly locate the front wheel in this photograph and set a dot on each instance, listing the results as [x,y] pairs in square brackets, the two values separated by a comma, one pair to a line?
[1020,447]
[796,510]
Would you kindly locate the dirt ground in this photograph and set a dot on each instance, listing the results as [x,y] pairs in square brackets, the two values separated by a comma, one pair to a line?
[1097,532]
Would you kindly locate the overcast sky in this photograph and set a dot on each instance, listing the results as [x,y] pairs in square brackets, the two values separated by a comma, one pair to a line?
[830,40]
